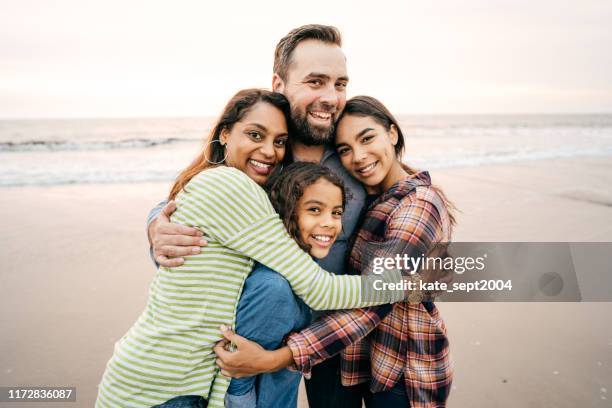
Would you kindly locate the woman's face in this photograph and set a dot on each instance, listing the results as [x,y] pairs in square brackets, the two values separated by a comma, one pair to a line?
[256,143]
[319,215]
[366,149]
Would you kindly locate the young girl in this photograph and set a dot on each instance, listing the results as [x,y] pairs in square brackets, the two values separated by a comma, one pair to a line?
[310,200]
[167,356]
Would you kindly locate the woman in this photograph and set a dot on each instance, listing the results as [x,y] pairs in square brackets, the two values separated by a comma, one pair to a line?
[166,357]
[404,357]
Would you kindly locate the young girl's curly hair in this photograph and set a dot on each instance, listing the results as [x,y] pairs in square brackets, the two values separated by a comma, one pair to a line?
[286,186]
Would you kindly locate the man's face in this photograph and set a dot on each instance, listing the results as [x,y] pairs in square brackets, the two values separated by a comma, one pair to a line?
[316,89]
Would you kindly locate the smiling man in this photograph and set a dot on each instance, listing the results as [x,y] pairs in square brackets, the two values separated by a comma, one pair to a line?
[312,74]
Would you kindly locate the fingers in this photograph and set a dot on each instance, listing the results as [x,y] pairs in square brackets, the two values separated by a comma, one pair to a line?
[169,249]
[220,350]
[220,364]
[227,371]
[169,262]
[176,251]
[232,337]
[227,333]
[164,226]
[222,356]
[179,240]
[171,242]
[184,240]
[238,340]
[225,358]
[232,375]
[178,229]
[169,208]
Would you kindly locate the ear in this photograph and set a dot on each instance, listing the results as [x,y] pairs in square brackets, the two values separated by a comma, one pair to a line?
[278,85]
[223,136]
[393,134]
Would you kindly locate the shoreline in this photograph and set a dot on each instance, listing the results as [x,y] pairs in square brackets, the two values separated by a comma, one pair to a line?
[464,168]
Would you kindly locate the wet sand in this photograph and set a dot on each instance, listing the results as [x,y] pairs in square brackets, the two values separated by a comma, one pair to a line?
[76,271]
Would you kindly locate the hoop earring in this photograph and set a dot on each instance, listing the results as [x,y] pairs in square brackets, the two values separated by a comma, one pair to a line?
[224,157]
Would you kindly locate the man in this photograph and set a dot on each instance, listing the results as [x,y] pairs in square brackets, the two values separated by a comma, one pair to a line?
[310,70]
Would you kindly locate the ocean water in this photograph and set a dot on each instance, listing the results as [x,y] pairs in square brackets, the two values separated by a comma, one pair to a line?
[68,151]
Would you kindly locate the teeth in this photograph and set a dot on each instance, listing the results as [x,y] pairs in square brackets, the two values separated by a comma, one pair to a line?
[367,168]
[322,238]
[321,115]
[260,164]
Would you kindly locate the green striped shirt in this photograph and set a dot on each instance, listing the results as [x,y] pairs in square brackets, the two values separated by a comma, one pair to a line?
[169,350]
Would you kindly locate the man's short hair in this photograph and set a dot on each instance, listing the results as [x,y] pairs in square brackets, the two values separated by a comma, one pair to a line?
[285,47]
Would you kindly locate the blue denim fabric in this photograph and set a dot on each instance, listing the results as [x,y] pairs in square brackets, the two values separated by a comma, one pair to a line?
[248,400]
[185,401]
[267,311]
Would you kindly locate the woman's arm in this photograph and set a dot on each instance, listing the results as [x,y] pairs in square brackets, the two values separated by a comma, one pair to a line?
[318,342]
[249,358]
[233,210]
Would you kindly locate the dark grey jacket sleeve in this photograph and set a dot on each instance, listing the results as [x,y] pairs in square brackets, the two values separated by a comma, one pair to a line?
[152,214]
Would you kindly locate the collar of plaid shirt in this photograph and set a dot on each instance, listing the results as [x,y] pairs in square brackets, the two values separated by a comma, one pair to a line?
[404,187]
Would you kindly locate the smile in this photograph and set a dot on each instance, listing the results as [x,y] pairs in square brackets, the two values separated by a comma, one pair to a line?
[261,167]
[321,115]
[323,240]
[367,170]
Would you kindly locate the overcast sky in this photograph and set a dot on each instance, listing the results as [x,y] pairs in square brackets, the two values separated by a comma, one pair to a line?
[65,58]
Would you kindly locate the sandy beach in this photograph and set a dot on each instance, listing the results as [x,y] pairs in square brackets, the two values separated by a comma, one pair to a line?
[76,271]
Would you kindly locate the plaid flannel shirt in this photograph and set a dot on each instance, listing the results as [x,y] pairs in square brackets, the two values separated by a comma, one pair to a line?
[383,343]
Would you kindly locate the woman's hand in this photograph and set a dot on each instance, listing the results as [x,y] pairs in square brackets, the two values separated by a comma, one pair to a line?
[170,242]
[249,358]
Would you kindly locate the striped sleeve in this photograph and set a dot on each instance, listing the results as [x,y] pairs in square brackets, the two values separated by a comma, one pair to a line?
[233,209]
[222,202]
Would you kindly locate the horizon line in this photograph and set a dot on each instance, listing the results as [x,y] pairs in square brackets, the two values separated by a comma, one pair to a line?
[209,116]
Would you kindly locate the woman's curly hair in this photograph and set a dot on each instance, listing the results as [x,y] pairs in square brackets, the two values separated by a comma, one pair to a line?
[286,186]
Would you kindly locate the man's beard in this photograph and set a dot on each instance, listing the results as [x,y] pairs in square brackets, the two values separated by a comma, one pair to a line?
[310,135]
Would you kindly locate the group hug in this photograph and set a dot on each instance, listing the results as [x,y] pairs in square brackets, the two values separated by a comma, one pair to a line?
[261,244]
